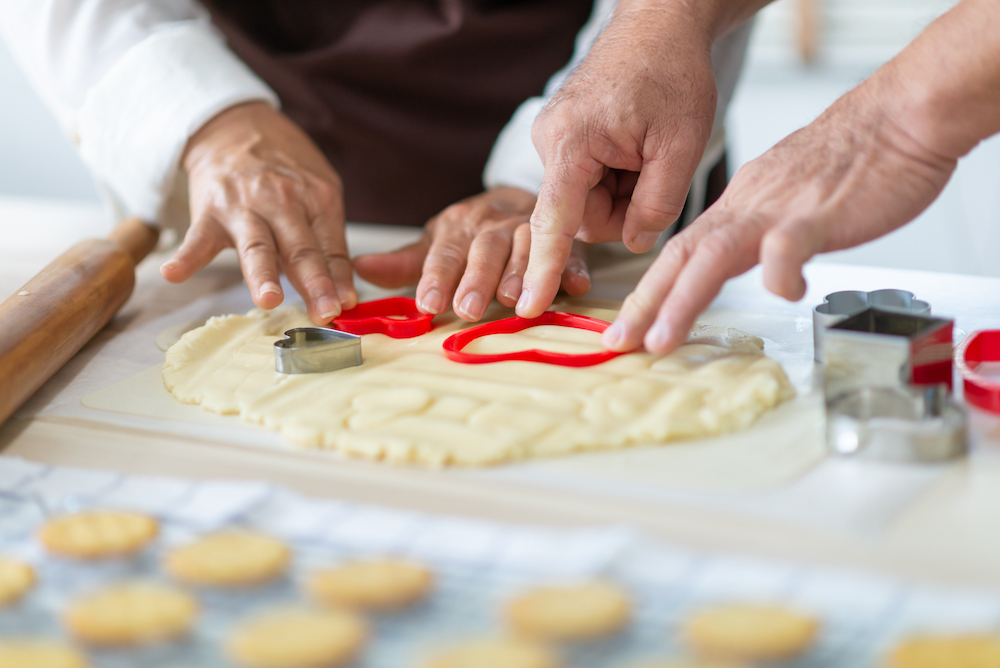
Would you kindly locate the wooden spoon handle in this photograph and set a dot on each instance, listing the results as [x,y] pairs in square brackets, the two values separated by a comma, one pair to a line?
[54,314]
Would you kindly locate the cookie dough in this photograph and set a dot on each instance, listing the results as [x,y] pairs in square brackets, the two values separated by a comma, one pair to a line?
[968,651]
[579,612]
[298,638]
[750,632]
[131,614]
[371,585]
[39,654]
[496,653]
[228,559]
[98,534]
[409,403]
[16,578]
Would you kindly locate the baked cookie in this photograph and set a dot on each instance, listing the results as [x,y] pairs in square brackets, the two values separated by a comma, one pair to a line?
[297,638]
[750,632]
[371,585]
[689,663]
[39,654]
[16,578]
[579,612]
[131,614]
[228,559]
[967,651]
[98,534]
[496,653]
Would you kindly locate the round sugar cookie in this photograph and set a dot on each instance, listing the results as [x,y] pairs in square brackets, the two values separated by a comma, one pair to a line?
[967,651]
[228,559]
[371,585]
[39,654]
[496,653]
[134,613]
[16,578]
[297,638]
[98,534]
[750,632]
[577,612]
[688,663]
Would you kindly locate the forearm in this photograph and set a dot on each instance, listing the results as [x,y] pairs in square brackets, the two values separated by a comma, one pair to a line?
[708,19]
[944,88]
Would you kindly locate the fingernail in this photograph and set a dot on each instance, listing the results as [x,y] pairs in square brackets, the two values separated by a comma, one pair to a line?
[512,287]
[613,336]
[472,305]
[523,301]
[270,287]
[328,308]
[657,336]
[170,264]
[432,302]
[645,239]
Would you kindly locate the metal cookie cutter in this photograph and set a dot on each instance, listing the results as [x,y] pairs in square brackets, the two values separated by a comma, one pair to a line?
[316,350]
[837,306]
[887,381]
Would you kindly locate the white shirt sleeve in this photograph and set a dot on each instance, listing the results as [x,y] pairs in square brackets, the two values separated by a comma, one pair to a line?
[130,81]
[514,160]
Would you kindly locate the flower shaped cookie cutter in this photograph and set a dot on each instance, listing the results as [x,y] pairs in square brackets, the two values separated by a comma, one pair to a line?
[979,348]
[838,306]
[454,344]
[397,317]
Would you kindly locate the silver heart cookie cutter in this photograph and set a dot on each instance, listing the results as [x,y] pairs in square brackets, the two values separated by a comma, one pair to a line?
[316,350]
[838,306]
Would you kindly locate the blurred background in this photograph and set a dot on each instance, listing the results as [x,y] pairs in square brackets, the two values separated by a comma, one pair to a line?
[804,54]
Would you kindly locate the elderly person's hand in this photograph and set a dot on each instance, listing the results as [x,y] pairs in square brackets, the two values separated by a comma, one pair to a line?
[259,184]
[470,251]
[871,163]
[621,140]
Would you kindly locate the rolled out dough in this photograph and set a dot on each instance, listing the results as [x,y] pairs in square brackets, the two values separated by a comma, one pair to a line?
[409,403]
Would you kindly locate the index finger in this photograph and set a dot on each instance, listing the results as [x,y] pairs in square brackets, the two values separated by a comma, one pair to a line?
[554,223]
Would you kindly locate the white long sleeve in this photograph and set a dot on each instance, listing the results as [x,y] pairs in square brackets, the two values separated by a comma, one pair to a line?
[130,81]
[514,160]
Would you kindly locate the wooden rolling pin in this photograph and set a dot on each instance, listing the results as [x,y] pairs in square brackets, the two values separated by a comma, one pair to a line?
[48,320]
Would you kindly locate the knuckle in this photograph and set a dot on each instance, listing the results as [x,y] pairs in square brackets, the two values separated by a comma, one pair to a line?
[298,254]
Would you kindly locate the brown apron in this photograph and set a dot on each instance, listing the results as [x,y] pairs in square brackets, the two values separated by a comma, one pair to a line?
[405,97]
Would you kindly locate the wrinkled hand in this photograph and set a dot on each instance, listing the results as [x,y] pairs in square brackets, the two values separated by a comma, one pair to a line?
[259,184]
[620,142]
[470,251]
[850,176]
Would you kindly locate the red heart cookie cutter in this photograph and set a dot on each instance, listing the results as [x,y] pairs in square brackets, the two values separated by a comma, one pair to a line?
[454,344]
[397,317]
[979,347]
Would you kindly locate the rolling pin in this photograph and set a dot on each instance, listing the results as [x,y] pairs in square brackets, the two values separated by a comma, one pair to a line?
[58,311]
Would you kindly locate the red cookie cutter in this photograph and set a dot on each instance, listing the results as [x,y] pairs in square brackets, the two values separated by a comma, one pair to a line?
[397,317]
[454,344]
[979,347]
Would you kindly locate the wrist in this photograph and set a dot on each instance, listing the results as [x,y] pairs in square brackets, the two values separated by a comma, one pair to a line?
[704,20]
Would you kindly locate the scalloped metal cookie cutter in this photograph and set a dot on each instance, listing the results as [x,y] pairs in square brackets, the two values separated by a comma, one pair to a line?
[838,306]
[316,350]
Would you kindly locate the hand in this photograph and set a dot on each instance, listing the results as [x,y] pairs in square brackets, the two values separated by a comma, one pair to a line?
[620,141]
[259,184]
[850,176]
[469,252]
